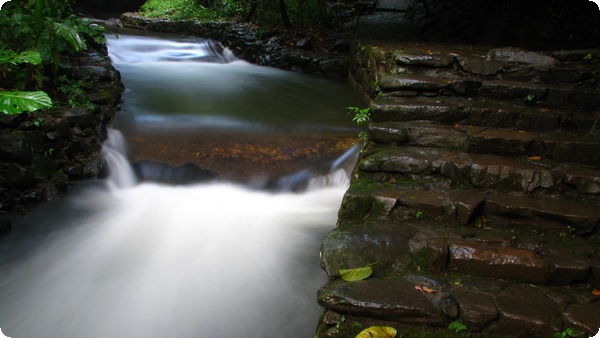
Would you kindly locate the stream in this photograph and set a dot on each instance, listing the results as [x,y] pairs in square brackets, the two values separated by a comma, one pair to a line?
[146,254]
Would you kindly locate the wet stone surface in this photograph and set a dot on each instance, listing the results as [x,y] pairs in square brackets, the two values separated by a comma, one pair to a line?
[481,166]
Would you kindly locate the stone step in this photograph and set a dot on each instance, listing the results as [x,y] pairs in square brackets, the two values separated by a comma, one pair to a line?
[487,307]
[393,248]
[561,217]
[445,168]
[557,146]
[544,94]
[490,113]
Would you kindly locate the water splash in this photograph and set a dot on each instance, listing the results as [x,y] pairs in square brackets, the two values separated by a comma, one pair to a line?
[149,260]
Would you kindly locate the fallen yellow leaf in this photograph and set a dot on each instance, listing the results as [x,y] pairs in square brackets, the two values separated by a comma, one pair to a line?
[596,292]
[535,158]
[378,332]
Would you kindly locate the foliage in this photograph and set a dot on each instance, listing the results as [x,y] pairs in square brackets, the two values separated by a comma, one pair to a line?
[361,116]
[36,37]
[567,333]
[49,27]
[457,326]
[418,214]
[266,13]
[17,102]
[351,275]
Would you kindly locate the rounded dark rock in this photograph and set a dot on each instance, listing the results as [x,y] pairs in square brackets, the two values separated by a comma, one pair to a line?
[14,147]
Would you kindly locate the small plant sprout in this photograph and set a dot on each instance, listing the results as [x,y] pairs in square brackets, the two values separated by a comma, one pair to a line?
[418,214]
[568,333]
[529,98]
[457,326]
[361,116]
[588,57]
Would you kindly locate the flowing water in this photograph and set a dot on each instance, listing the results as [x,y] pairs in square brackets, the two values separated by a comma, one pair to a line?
[122,258]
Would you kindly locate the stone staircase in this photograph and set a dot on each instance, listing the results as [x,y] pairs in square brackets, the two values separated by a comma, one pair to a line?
[476,197]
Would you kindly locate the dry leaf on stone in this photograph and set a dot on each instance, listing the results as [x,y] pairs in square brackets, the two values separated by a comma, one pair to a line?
[425,289]
[596,292]
[378,332]
[535,158]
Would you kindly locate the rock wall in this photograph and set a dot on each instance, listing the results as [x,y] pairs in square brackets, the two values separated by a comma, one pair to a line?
[245,42]
[43,154]
[476,198]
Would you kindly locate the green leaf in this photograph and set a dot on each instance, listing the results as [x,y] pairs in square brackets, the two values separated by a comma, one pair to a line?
[17,102]
[351,275]
[28,56]
[457,326]
[70,35]
[378,332]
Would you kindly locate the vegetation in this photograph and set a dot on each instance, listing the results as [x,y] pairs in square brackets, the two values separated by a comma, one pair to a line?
[37,38]
[288,13]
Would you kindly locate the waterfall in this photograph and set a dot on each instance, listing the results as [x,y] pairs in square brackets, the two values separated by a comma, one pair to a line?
[152,260]
[121,174]
[138,259]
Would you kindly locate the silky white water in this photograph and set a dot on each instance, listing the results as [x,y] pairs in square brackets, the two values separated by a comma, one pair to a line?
[212,260]
[120,258]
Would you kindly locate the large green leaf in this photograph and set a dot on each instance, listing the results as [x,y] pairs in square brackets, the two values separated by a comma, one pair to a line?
[351,275]
[28,56]
[17,102]
[70,35]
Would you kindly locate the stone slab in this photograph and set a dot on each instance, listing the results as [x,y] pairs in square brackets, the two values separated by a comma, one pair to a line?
[583,216]
[381,298]
[467,203]
[584,316]
[477,309]
[497,262]
[349,247]
[393,82]
[524,307]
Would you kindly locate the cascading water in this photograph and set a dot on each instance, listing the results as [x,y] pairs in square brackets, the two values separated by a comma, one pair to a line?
[128,259]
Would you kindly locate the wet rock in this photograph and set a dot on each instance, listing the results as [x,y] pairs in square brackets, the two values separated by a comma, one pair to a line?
[507,263]
[19,177]
[430,251]
[393,82]
[569,148]
[80,117]
[388,132]
[384,201]
[586,180]
[468,204]
[500,141]
[479,66]
[432,205]
[522,91]
[334,67]
[581,215]
[14,147]
[521,56]
[305,44]
[477,309]
[584,316]
[466,87]
[355,206]
[352,247]
[423,59]
[381,298]
[525,307]
[405,109]
[567,267]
